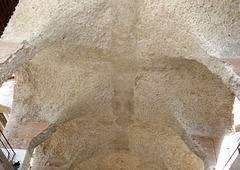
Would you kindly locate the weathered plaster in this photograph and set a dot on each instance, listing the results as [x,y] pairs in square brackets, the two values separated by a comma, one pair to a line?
[126,60]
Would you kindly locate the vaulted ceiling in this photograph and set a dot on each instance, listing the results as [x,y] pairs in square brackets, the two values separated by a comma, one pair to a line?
[125,79]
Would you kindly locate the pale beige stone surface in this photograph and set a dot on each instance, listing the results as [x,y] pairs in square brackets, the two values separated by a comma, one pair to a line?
[174,92]
[78,139]
[179,91]
[90,144]
[160,144]
[127,62]
[46,168]
[116,161]
[59,85]
[197,29]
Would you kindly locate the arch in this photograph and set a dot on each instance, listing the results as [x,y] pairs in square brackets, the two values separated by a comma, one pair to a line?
[105,39]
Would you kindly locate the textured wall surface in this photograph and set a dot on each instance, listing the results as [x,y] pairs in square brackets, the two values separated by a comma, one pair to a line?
[87,143]
[124,79]
[179,91]
[118,161]
[80,139]
[62,83]
[160,144]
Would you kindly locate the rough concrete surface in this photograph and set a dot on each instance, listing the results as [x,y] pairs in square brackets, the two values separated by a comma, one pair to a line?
[138,76]
[118,161]
[201,104]
[78,139]
[160,144]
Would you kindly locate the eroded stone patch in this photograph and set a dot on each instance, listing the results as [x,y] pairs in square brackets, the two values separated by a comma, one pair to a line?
[160,144]
[80,139]
[116,160]
[113,59]
[183,91]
